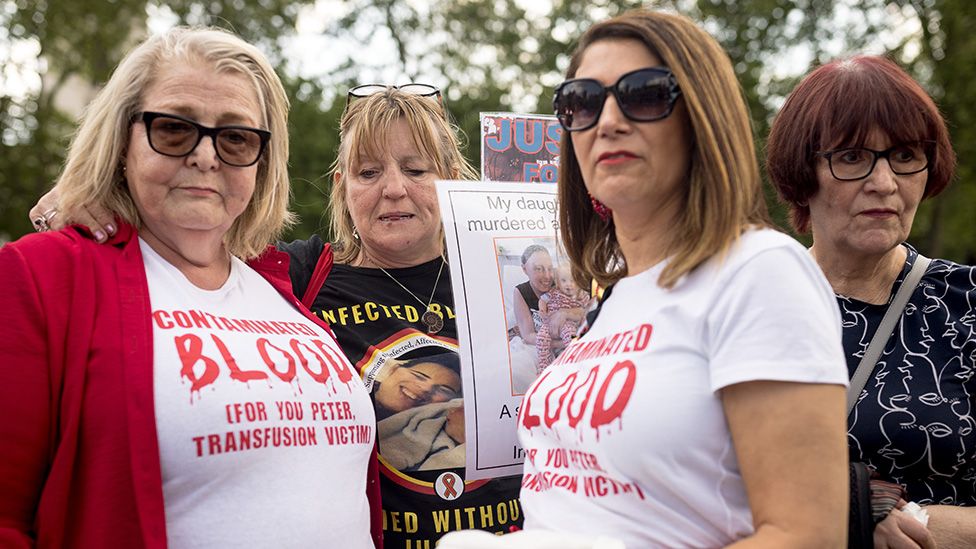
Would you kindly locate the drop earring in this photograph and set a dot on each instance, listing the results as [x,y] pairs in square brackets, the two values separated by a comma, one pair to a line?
[600,208]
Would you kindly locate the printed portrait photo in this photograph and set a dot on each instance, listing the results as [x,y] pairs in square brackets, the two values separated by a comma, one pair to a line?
[420,412]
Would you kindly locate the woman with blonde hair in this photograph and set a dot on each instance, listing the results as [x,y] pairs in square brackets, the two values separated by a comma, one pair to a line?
[160,390]
[388,299]
[704,405]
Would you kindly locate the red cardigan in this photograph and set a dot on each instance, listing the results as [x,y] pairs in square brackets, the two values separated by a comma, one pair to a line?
[79,459]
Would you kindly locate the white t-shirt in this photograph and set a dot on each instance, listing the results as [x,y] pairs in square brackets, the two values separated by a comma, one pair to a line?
[625,434]
[265,431]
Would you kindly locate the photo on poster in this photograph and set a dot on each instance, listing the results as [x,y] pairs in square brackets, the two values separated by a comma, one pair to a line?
[543,304]
[489,227]
[420,412]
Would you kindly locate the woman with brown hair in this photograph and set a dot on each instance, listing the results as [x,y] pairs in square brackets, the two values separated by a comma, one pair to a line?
[855,149]
[704,405]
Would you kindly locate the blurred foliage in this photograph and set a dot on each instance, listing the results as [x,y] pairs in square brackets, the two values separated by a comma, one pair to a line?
[83,41]
[492,55]
[939,55]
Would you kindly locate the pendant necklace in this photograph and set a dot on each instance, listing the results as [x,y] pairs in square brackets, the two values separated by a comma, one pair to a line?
[432,320]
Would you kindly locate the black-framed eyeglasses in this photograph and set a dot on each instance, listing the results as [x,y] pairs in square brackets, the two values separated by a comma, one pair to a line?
[643,95]
[851,164]
[413,88]
[173,135]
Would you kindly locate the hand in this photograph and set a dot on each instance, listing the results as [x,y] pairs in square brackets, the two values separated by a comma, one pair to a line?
[455,425]
[555,321]
[901,531]
[100,222]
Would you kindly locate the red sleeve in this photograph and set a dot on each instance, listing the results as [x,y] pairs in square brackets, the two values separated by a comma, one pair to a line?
[25,398]
[373,495]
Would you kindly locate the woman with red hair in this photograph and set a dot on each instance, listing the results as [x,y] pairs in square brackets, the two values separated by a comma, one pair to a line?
[854,150]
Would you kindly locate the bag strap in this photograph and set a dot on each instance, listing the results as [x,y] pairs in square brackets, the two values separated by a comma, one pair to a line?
[322,268]
[885,329]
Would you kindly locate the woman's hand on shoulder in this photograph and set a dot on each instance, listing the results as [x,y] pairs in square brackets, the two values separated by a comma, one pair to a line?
[100,222]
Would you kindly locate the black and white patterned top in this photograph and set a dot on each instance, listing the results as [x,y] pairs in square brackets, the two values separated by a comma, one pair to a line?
[914,422]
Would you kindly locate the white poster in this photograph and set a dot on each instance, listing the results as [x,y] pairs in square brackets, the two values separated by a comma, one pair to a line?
[501,241]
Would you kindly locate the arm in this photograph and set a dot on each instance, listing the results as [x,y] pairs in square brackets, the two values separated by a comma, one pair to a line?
[777,363]
[544,305]
[100,222]
[792,450]
[952,526]
[24,400]
[557,318]
[523,317]
[556,321]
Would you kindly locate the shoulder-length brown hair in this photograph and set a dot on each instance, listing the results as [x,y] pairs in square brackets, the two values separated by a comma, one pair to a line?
[363,132]
[93,174]
[837,105]
[723,195]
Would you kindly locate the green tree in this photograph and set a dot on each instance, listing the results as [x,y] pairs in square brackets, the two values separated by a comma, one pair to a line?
[945,65]
[82,41]
[496,55]
[757,33]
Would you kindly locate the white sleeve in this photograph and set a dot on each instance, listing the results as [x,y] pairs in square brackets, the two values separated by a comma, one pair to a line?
[775,318]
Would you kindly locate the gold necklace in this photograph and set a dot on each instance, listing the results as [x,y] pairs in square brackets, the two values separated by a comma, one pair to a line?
[433,321]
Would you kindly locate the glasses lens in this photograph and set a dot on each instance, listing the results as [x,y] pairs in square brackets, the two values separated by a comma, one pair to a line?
[578,103]
[172,136]
[851,163]
[908,159]
[238,146]
[419,89]
[645,95]
[366,90]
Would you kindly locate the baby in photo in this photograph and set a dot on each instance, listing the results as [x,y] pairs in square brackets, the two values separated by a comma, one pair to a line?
[565,295]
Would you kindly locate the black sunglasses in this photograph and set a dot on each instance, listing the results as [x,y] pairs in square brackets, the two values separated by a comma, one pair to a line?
[643,95]
[172,135]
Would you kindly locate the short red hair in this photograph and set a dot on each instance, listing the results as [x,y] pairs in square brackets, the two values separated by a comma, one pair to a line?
[837,105]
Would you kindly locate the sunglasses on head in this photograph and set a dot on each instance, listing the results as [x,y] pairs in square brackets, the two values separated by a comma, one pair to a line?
[643,95]
[413,88]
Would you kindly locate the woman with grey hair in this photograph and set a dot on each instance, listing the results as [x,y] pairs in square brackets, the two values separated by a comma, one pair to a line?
[167,389]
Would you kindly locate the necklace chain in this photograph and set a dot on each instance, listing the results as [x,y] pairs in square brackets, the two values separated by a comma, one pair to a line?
[432,292]
[432,320]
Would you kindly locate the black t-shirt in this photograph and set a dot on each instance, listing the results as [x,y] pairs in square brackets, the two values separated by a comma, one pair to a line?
[528,294]
[379,326]
[916,424]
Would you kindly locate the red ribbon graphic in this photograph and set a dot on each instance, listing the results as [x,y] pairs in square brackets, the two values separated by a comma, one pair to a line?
[449,491]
